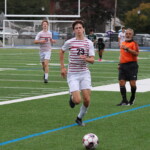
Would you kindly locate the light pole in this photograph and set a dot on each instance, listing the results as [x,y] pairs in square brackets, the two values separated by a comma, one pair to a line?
[110,15]
[115,12]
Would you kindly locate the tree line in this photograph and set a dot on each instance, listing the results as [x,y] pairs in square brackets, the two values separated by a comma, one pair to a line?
[95,13]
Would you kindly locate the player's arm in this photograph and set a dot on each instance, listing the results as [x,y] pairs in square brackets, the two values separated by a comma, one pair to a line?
[119,40]
[39,41]
[53,41]
[89,59]
[62,66]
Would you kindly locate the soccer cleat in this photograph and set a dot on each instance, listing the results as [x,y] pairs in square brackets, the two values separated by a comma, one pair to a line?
[132,100]
[123,103]
[71,103]
[79,122]
[45,81]
[99,60]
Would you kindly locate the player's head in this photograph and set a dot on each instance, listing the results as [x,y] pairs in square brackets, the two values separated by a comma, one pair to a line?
[123,29]
[78,27]
[44,24]
[91,31]
[78,22]
[129,34]
[100,40]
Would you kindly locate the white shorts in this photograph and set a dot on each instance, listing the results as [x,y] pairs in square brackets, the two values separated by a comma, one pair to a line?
[79,81]
[45,56]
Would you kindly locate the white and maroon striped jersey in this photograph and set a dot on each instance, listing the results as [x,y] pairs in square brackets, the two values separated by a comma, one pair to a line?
[44,36]
[76,48]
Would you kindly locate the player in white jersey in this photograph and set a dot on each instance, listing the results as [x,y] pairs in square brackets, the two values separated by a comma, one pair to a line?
[121,36]
[44,38]
[81,52]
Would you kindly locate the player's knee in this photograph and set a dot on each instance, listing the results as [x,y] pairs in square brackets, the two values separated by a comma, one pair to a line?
[86,102]
[122,83]
[77,100]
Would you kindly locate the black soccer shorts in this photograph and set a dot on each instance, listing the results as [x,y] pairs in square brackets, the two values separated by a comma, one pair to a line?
[128,71]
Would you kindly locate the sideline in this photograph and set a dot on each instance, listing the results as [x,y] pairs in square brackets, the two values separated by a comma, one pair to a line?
[69,126]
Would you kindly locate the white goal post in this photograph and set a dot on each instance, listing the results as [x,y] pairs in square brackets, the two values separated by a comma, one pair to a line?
[21,33]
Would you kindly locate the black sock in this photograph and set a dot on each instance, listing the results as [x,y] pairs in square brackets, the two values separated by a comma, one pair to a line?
[100,56]
[79,118]
[123,93]
[133,91]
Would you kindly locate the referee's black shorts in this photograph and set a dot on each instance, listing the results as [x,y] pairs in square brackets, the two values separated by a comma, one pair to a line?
[128,71]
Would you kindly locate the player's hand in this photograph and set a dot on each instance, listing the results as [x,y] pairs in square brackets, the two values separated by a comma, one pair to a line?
[124,47]
[83,57]
[53,41]
[63,72]
[43,41]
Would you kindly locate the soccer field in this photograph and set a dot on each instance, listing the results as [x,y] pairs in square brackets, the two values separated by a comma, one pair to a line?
[48,123]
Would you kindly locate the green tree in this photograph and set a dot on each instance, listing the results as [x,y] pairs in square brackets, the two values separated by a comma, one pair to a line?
[124,6]
[138,18]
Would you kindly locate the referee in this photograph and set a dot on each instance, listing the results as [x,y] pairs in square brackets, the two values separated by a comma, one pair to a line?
[128,67]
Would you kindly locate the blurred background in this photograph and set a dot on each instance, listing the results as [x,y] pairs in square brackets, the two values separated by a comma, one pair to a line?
[20,21]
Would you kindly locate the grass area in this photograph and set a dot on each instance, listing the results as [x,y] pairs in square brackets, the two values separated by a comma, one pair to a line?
[21,76]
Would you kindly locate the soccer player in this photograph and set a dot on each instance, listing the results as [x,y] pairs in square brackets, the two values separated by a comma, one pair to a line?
[128,67]
[100,47]
[92,36]
[44,38]
[121,36]
[81,52]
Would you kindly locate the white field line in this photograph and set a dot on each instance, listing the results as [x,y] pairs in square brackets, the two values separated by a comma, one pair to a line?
[30,81]
[29,88]
[142,86]
[33,98]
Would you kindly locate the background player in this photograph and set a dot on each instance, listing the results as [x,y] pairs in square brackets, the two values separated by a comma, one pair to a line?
[100,47]
[121,36]
[44,38]
[92,36]
[81,52]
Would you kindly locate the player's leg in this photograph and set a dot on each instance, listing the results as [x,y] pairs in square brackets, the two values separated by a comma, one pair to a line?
[46,68]
[74,89]
[123,93]
[43,66]
[99,55]
[46,65]
[133,91]
[76,97]
[133,71]
[42,59]
[85,86]
[122,82]
[84,107]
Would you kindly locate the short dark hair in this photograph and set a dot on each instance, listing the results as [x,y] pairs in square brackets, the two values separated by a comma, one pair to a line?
[100,40]
[44,21]
[91,30]
[123,28]
[78,22]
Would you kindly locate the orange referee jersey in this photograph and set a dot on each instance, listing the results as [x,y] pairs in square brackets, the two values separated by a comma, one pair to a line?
[126,57]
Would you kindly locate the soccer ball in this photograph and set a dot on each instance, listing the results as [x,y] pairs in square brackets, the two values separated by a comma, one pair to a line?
[90,141]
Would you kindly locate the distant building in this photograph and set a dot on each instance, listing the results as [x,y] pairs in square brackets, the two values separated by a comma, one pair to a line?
[113,26]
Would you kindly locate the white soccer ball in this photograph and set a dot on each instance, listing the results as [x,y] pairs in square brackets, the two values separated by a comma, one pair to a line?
[90,141]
